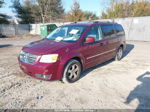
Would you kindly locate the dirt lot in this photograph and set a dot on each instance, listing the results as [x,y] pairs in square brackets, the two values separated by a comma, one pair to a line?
[112,85]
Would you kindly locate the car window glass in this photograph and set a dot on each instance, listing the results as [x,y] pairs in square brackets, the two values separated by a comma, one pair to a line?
[107,30]
[70,33]
[100,34]
[94,32]
[119,30]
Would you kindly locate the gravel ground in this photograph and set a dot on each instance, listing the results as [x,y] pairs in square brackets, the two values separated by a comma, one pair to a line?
[112,85]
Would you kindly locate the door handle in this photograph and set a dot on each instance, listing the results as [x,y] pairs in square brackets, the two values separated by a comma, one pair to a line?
[102,44]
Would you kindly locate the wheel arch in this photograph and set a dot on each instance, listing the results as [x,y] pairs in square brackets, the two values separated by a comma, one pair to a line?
[122,46]
[66,60]
[78,59]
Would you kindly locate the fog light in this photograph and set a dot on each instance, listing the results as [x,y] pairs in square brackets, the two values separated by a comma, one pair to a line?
[43,76]
[46,71]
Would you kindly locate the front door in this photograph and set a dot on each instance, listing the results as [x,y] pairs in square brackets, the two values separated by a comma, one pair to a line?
[92,51]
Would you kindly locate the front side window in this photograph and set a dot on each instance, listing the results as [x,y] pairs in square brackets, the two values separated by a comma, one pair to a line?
[94,32]
[107,30]
[67,33]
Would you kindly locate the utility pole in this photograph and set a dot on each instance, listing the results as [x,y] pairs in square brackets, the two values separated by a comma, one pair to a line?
[113,10]
[113,5]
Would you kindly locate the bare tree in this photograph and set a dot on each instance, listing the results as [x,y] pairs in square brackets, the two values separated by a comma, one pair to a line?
[44,6]
[50,9]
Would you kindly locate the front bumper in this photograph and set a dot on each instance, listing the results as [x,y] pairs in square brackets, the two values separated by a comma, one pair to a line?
[40,71]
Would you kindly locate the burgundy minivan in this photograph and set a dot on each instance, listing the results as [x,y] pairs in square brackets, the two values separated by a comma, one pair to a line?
[70,49]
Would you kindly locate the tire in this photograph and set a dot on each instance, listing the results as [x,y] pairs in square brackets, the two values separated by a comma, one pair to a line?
[72,71]
[119,54]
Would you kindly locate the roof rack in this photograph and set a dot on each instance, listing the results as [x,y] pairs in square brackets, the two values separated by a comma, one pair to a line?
[94,21]
[75,22]
[79,22]
[102,21]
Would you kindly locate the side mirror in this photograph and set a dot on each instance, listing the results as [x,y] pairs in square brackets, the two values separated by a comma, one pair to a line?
[90,40]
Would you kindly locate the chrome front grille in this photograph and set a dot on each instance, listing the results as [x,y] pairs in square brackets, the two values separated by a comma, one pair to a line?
[28,58]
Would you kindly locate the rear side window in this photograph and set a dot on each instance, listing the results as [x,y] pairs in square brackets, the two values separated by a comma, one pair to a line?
[108,31]
[119,29]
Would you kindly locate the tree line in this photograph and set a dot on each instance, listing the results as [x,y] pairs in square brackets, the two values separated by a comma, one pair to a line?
[127,8]
[46,11]
[38,11]
[3,18]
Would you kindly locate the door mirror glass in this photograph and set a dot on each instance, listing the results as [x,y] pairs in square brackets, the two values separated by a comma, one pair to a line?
[90,40]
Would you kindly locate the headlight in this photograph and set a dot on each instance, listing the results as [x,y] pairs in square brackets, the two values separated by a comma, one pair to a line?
[21,52]
[51,58]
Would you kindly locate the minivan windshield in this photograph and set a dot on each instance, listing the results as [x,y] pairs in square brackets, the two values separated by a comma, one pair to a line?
[67,33]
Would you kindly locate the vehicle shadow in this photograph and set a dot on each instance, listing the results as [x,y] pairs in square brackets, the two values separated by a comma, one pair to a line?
[86,72]
[129,48]
[141,93]
[2,36]
[5,45]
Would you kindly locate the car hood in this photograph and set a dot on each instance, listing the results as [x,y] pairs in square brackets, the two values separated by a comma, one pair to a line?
[46,46]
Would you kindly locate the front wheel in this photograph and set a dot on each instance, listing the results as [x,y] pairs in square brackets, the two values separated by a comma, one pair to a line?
[119,54]
[72,71]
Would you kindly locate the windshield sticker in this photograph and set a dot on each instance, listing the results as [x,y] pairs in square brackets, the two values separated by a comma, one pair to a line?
[70,38]
[58,39]
[74,31]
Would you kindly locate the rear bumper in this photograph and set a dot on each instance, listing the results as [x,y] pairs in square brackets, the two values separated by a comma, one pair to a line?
[40,71]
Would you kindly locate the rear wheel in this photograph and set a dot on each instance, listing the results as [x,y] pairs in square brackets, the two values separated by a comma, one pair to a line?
[72,71]
[119,54]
